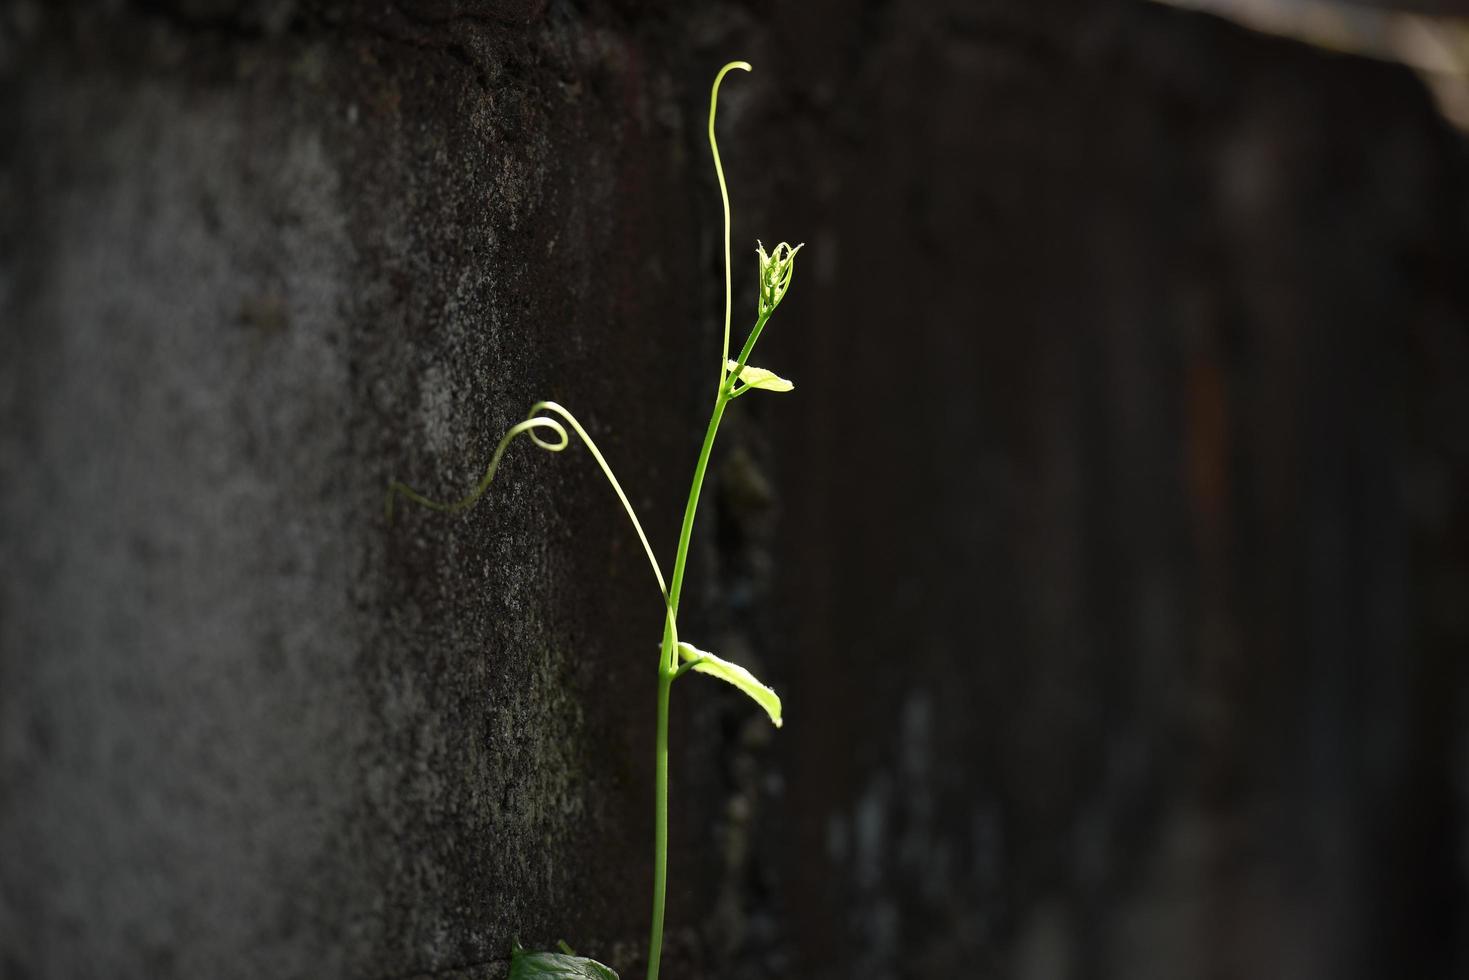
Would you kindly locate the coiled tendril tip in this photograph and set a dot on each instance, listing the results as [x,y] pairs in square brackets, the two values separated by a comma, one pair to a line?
[538,418]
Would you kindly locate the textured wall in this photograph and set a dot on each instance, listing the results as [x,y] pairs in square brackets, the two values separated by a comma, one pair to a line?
[1149,513]
[249,729]
[1112,555]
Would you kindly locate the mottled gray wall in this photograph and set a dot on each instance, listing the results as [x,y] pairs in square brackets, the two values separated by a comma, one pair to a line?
[1112,554]
[248,728]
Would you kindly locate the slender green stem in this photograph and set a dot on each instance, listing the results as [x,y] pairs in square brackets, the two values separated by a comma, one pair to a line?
[540,420]
[667,671]
[685,534]
[660,826]
[668,654]
[755,332]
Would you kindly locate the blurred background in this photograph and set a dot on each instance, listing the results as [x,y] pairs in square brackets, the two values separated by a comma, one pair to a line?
[1111,555]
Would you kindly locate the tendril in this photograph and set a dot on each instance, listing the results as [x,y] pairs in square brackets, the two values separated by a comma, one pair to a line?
[724,196]
[538,418]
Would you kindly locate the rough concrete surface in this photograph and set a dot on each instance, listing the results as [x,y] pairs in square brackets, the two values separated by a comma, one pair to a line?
[1111,556]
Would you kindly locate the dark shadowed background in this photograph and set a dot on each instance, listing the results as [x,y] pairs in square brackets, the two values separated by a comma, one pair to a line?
[1111,556]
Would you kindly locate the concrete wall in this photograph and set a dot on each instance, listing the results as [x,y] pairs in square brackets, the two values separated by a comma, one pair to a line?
[1110,556]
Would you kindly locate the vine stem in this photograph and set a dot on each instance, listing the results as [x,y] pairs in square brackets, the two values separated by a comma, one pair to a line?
[667,672]
[660,825]
[543,419]
[668,653]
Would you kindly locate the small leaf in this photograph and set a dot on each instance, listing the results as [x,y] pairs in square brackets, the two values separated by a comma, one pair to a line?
[754,377]
[734,674]
[525,965]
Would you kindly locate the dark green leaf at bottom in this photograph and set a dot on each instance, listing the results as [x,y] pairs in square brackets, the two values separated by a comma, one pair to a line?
[526,965]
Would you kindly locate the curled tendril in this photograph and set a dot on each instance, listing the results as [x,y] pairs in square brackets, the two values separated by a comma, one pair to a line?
[538,418]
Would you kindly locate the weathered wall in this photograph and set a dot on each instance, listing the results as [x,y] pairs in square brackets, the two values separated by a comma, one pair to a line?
[1111,555]
[250,729]
[1149,515]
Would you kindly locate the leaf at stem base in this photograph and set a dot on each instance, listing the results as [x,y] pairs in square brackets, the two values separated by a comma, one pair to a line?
[528,965]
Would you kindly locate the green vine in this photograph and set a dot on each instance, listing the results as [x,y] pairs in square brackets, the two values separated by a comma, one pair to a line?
[547,426]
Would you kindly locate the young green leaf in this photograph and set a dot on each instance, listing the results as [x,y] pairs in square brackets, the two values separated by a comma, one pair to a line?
[526,965]
[707,663]
[776,270]
[754,377]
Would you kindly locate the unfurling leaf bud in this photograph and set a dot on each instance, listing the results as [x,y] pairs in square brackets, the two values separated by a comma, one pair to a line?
[775,275]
